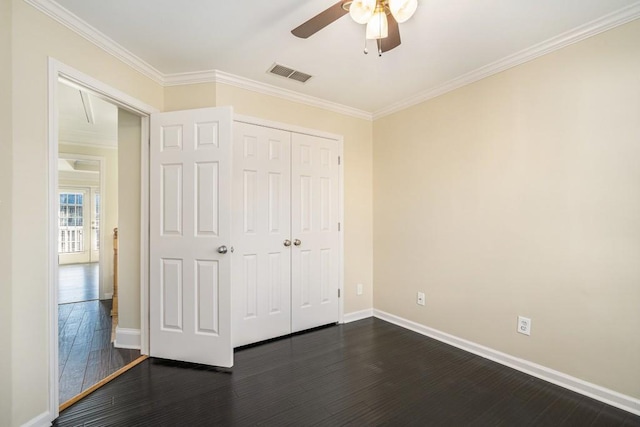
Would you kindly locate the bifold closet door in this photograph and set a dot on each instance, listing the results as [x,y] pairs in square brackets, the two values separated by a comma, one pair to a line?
[261,230]
[315,254]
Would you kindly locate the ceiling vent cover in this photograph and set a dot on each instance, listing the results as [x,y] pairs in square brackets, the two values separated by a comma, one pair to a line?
[289,73]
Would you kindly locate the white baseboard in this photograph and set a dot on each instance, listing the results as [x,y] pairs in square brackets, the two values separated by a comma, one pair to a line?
[42,420]
[594,391]
[357,315]
[127,338]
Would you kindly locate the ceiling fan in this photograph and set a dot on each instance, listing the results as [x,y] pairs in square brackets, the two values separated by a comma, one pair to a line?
[381,16]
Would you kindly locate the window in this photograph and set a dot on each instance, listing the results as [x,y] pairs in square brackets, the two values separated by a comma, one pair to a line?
[71,222]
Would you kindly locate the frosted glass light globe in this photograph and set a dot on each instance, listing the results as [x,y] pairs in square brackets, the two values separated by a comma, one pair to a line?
[362,10]
[402,10]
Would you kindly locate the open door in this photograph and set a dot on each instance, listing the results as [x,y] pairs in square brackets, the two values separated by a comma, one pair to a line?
[190,221]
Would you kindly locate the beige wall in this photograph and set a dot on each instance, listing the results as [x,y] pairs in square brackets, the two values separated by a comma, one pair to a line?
[6,167]
[36,37]
[520,195]
[109,202]
[187,97]
[357,176]
[129,128]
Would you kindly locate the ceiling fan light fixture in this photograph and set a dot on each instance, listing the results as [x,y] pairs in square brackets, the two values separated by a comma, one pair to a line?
[361,11]
[402,10]
[378,26]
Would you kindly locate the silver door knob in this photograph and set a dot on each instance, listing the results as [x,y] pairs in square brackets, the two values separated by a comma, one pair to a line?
[222,250]
[297,242]
[287,243]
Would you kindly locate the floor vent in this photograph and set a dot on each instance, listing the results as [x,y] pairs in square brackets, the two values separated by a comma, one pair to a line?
[289,73]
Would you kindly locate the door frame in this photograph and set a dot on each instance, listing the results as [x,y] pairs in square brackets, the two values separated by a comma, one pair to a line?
[340,141]
[101,188]
[56,71]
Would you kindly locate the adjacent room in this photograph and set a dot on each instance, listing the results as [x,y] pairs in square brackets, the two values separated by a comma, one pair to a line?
[88,191]
[368,212]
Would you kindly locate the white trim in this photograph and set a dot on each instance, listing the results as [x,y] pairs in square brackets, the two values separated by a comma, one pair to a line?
[594,391]
[607,22]
[52,238]
[42,420]
[190,78]
[57,70]
[127,338]
[77,25]
[341,231]
[289,95]
[87,144]
[85,82]
[144,236]
[358,315]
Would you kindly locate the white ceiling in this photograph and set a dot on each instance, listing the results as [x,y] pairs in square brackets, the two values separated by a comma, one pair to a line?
[75,127]
[445,40]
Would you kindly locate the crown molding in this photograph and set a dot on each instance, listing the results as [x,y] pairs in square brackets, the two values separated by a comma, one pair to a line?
[74,23]
[217,76]
[290,95]
[189,78]
[607,22]
[77,25]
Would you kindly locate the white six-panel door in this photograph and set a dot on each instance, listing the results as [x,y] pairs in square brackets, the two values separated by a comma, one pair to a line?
[261,233]
[190,224]
[286,264]
[315,210]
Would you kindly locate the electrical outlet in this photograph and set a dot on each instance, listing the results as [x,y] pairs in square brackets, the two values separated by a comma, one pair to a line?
[359,289]
[524,325]
[421,299]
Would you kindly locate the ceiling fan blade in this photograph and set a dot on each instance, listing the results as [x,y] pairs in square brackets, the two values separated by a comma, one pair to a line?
[320,21]
[393,40]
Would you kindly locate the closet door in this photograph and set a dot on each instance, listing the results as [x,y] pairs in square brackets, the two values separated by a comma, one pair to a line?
[315,255]
[261,233]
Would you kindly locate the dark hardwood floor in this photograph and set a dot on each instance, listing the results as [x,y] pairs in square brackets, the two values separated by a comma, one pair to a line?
[85,352]
[364,373]
[77,282]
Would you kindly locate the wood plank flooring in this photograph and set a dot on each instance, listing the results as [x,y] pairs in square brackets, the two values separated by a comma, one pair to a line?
[77,282]
[364,373]
[85,352]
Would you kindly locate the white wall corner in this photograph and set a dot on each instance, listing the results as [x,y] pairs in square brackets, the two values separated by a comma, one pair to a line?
[127,338]
[357,315]
[42,420]
[610,397]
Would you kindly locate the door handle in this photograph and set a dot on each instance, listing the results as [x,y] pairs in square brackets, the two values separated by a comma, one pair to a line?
[297,242]
[287,243]
[222,249]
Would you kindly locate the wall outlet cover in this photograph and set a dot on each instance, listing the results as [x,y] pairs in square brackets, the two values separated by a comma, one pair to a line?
[421,299]
[359,289]
[524,325]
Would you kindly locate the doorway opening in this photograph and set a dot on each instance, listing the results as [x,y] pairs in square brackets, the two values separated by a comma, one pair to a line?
[91,127]
[87,197]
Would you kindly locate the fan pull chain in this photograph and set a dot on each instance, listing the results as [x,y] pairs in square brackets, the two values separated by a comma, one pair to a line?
[366,51]
[379,47]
